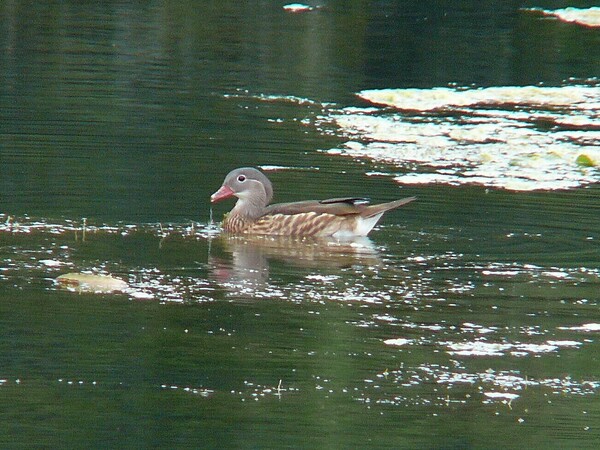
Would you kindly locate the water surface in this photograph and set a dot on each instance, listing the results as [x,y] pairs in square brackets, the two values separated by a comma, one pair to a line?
[470,313]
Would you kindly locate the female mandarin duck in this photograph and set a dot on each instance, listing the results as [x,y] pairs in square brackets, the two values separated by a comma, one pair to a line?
[252,214]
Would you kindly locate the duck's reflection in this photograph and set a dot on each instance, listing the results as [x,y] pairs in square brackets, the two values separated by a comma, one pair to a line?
[252,256]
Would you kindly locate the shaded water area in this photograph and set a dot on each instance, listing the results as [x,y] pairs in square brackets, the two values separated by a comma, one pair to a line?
[467,319]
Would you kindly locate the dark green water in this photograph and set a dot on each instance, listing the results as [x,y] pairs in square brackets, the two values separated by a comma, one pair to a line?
[468,319]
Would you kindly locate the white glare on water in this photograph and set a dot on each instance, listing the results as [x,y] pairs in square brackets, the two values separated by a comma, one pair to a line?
[511,137]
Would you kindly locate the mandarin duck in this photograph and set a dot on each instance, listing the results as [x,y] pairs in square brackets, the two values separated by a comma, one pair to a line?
[252,214]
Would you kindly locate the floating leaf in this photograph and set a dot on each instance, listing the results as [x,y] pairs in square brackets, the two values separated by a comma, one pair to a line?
[585,161]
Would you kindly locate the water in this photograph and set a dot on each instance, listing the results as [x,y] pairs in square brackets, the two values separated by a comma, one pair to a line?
[470,313]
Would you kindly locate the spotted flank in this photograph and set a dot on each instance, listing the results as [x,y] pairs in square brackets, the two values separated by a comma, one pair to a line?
[306,224]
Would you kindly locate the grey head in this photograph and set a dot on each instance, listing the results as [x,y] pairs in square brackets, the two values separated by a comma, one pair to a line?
[252,188]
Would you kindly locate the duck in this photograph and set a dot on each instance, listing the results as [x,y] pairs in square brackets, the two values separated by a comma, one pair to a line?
[253,214]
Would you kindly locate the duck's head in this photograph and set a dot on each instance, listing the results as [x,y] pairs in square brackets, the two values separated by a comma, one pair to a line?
[249,185]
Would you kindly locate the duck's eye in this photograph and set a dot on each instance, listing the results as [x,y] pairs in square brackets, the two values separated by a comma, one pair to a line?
[242,178]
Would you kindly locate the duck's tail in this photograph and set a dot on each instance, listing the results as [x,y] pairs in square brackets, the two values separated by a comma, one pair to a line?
[378,210]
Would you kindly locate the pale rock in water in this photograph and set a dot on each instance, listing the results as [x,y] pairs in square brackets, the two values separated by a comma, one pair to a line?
[87,282]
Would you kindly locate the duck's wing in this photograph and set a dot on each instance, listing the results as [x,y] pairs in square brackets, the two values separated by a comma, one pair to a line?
[335,206]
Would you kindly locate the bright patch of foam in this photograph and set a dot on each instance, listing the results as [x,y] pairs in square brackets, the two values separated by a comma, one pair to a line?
[585,327]
[519,138]
[480,348]
[297,8]
[398,342]
[588,17]
[501,395]
[441,97]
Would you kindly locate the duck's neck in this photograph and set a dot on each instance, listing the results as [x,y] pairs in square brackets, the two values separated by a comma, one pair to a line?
[249,208]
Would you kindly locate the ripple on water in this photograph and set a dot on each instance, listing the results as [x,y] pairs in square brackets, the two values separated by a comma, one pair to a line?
[431,318]
[458,385]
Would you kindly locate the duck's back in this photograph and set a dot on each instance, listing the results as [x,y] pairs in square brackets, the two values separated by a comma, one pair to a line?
[334,206]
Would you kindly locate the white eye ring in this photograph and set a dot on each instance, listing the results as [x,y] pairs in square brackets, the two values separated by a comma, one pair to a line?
[241,178]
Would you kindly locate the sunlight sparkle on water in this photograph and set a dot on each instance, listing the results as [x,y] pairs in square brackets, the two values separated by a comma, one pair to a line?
[511,137]
[480,348]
